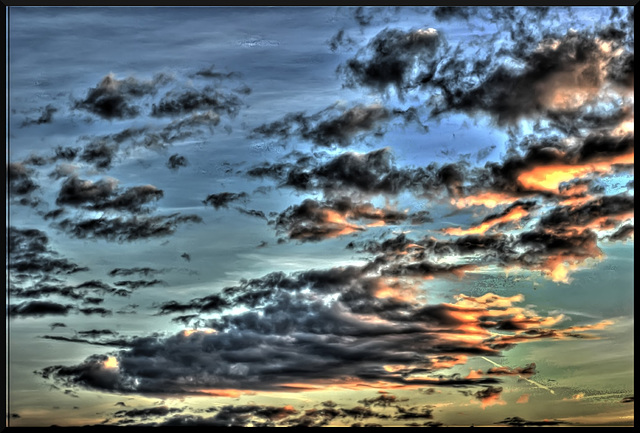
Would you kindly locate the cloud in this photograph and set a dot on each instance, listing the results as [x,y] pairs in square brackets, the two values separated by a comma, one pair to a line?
[627,400]
[38,309]
[29,253]
[447,13]
[177,103]
[602,213]
[383,400]
[489,396]
[147,412]
[339,327]
[95,310]
[20,179]
[622,233]
[390,57]
[111,98]
[518,211]
[414,412]
[126,229]
[100,152]
[516,421]
[559,75]
[57,325]
[527,371]
[326,130]
[136,284]
[105,195]
[223,199]
[314,221]
[186,256]
[176,161]
[95,333]
[146,271]
[45,117]
[252,212]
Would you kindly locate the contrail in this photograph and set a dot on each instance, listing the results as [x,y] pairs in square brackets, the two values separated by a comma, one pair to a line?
[539,385]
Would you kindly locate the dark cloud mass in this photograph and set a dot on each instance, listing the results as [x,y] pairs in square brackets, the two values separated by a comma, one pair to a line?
[219,102]
[126,229]
[111,98]
[38,309]
[20,179]
[105,195]
[223,199]
[176,161]
[324,129]
[29,252]
[389,58]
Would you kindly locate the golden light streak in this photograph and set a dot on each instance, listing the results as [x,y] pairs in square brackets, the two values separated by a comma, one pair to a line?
[539,385]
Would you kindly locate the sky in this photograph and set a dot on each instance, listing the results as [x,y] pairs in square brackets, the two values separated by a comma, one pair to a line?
[320,216]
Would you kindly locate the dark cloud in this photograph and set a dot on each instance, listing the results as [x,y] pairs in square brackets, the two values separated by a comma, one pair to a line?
[211,73]
[95,310]
[29,252]
[175,161]
[147,412]
[57,325]
[622,233]
[603,212]
[558,75]
[414,412]
[186,256]
[105,195]
[136,284]
[13,415]
[100,153]
[383,400]
[516,421]
[252,212]
[45,117]
[390,57]
[223,199]
[53,214]
[20,179]
[314,221]
[447,13]
[111,98]
[366,173]
[488,393]
[38,309]
[340,39]
[627,400]
[126,229]
[130,271]
[325,130]
[526,371]
[178,103]
[95,333]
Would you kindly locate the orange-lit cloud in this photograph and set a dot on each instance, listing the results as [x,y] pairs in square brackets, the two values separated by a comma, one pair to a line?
[524,398]
[487,199]
[549,177]
[515,213]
